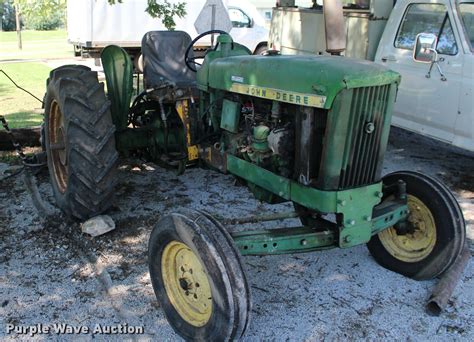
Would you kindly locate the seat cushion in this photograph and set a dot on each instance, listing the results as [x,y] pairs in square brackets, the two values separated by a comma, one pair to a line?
[163,59]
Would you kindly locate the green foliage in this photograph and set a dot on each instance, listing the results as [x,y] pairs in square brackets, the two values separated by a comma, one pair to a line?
[164,10]
[43,14]
[7,14]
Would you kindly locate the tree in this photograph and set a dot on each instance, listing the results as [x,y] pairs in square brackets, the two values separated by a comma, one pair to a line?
[7,15]
[43,14]
[164,10]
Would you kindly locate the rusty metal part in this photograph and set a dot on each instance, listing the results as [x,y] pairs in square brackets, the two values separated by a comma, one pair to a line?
[36,161]
[214,157]
[307,146]
[30,136]
[260,218]
[28,178]
[57,136]
[18,149]
[446,285]
[335,27]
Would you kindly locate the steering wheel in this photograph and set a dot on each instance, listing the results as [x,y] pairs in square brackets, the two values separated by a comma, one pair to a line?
[191,61]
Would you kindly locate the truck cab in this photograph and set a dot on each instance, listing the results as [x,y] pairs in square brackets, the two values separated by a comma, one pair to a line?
[437,103]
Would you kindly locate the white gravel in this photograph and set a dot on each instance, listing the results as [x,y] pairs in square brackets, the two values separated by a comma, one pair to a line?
[333,295]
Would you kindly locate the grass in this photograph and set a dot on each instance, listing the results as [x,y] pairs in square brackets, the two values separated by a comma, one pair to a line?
[19,108]
[27,69]
[36,45]
[30,35]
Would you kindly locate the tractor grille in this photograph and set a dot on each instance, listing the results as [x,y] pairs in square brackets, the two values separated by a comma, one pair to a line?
[363,155]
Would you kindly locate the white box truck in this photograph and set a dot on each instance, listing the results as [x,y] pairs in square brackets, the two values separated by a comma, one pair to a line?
[94,24]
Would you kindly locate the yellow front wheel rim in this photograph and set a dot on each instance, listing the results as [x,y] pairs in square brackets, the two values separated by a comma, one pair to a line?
[417,245]
[186,284]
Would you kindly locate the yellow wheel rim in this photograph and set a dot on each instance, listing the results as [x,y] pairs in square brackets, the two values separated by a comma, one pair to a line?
[186,284]
[414,246]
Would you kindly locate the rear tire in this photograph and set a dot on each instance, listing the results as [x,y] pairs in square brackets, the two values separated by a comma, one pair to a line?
[79,142]
[439,230]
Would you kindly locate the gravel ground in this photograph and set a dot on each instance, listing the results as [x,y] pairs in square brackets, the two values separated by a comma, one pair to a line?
[45,278]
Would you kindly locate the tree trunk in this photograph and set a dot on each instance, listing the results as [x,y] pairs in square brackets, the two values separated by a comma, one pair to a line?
[18,25]
[23,136]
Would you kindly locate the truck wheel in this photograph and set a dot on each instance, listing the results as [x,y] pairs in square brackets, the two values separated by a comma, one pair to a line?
[437,235]
[198,277]
[260,50]
[79,142]
[77,51]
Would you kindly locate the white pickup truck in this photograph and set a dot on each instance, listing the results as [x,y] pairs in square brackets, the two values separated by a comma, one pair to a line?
[94,24]
[439,103]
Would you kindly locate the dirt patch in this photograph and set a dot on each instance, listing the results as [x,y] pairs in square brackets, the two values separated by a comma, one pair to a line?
[336,294]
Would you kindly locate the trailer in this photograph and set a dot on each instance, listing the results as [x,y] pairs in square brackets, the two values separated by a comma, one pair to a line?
[93,25]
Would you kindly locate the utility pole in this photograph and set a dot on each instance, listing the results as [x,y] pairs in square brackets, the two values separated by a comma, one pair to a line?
[18,25]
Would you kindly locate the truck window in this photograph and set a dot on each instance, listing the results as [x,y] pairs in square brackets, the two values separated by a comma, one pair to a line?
[238,18]
[427,18]
[467,15]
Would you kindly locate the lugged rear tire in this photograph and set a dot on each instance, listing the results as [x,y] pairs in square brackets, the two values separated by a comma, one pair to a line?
[79,141]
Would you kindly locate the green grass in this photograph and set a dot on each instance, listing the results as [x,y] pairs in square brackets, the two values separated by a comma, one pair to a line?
[36,45]
[33,35]
[25,67]
[19,108]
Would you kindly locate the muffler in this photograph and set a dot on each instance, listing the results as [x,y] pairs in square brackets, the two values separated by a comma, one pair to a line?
[335,26]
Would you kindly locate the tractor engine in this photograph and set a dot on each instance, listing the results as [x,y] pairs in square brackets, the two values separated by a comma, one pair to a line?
[265,137]
[321,121]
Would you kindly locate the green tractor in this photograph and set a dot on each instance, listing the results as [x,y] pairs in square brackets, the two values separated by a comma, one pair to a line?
[312,130]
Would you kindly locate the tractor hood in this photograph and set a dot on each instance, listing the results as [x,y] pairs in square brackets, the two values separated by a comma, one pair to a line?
[306,80]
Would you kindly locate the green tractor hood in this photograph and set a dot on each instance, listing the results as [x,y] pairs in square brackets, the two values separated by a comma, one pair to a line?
[306,80]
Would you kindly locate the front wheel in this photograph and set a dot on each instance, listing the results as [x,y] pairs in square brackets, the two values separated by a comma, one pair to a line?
[198,279]
[436,235]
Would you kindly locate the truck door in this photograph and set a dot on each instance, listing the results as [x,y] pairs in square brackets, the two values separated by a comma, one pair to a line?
[425,105]
[241,25]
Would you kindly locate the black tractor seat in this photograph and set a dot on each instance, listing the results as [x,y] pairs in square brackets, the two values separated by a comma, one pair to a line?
[164,66]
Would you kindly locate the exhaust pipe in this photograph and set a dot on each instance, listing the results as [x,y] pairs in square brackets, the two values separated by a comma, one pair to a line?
[446,285]
[335,26]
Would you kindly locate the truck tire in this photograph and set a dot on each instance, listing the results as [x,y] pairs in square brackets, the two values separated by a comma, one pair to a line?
[79,142]
[261,49]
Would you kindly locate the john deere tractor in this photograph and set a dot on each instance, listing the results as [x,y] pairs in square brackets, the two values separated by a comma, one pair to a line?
[312,130]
